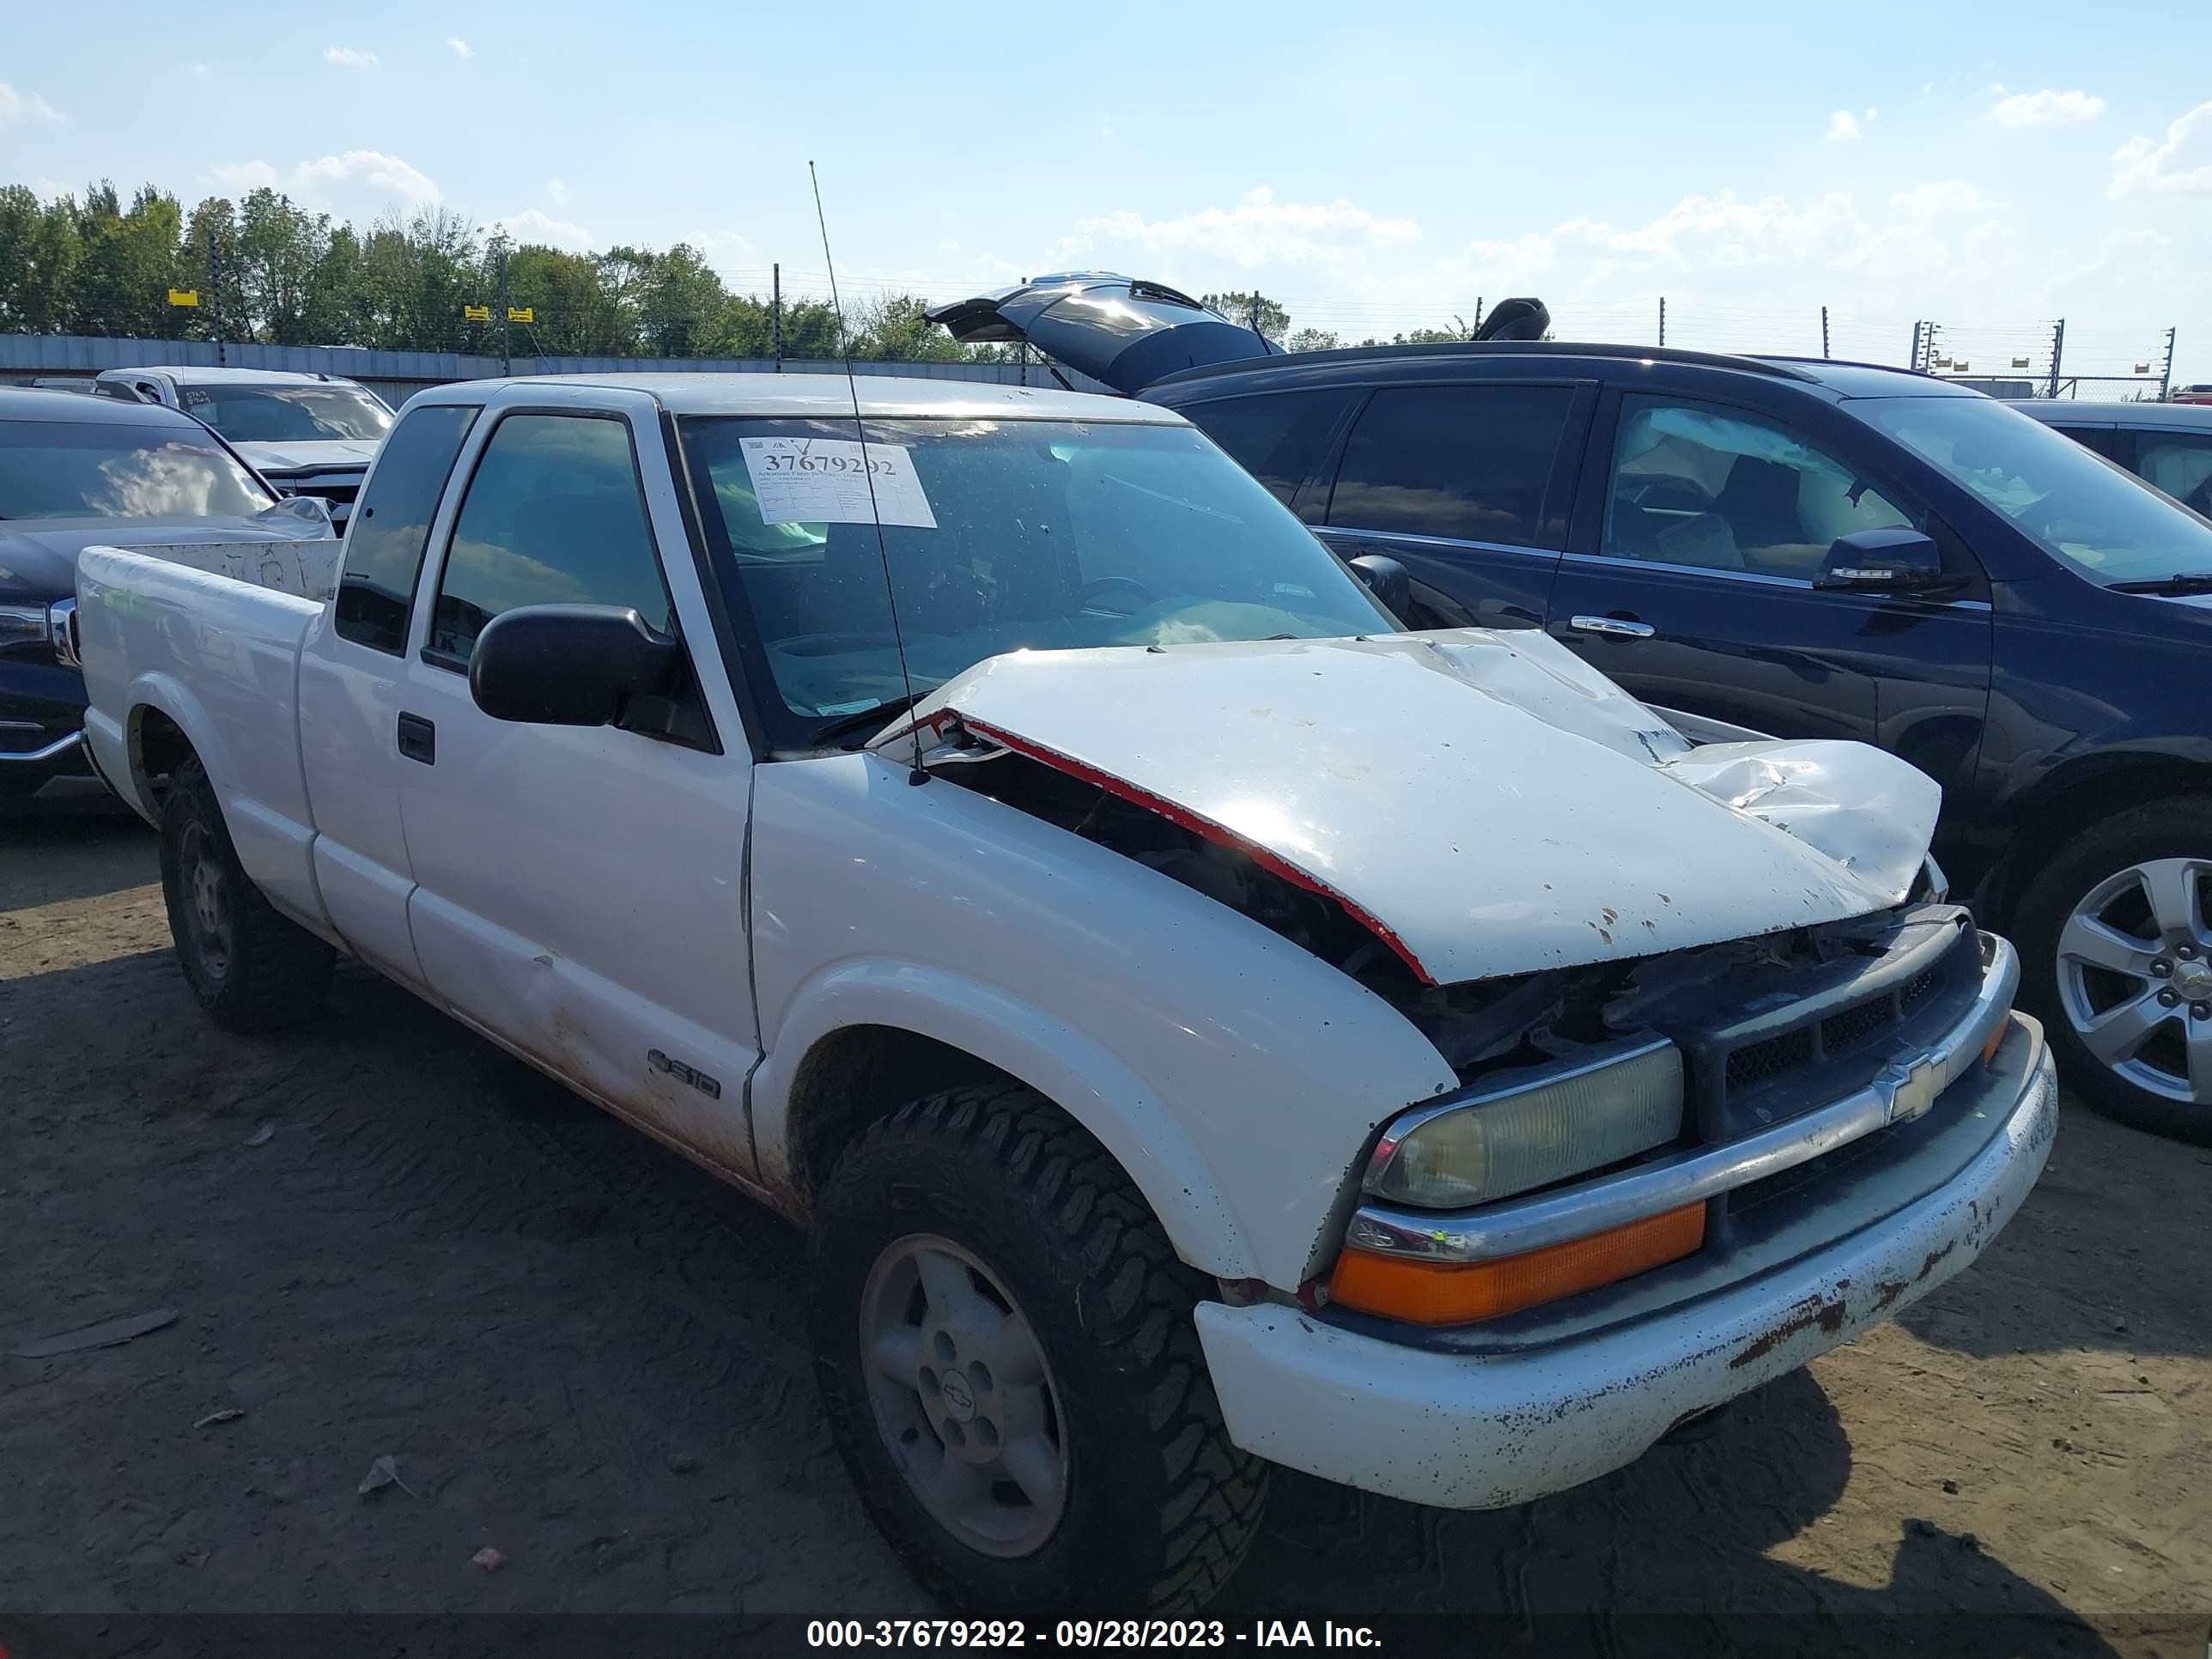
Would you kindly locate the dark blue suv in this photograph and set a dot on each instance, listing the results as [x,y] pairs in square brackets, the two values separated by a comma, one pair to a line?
[1792,548]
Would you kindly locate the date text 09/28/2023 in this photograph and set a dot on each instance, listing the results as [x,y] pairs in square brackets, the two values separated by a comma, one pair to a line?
[1086,1633]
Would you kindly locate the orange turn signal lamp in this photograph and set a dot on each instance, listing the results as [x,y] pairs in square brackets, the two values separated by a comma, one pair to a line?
[1422,1292]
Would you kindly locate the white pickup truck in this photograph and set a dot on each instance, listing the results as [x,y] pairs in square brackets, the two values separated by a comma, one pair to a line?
[1200,1024]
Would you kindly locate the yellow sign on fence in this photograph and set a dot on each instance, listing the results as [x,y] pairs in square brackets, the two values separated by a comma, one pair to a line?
[183,296]
[522,314]
[476,313]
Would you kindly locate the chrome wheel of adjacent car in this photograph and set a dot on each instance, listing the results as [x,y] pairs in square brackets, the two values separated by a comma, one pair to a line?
[963,1396]
[2135,976]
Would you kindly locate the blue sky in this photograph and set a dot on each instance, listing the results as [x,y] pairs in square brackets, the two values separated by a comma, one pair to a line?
[1990,166]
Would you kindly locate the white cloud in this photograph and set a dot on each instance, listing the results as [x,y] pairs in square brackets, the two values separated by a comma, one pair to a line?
[349,57]
[2046,109]
[1872,112]
[358,184]
[199,69]
[2141,164]
[25,106]
[1843,126]
[558,192]
[459,47]
[1258,230]
[534,225]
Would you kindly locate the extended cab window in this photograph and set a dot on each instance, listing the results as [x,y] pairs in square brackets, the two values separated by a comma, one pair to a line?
[385,541]
[1464,461]
[554,515]
[1722,490]
[1276,438]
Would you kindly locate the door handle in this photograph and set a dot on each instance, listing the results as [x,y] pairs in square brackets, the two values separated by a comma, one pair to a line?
[418,739]
[1613,626]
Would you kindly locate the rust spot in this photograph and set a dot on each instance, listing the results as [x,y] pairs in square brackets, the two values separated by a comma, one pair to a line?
[1813,1311]
[1887,1290]
[1934,1256]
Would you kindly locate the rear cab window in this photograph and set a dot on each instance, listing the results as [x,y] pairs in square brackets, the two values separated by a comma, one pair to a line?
[391,526]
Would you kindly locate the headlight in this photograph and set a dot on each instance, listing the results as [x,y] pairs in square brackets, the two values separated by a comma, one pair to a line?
[1533,1128]
[22,624]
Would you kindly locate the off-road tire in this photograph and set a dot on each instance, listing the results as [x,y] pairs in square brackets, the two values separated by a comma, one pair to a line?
[275,973]
[2177,828]
[1160,1507]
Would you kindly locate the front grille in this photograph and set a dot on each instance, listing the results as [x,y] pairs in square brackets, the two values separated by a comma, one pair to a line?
[1766,1035]
[1854,1026]
[1750,1066]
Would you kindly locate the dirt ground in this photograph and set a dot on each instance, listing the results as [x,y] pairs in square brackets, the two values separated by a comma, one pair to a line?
[582,1351]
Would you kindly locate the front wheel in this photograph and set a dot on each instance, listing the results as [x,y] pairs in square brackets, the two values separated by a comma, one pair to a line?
[2116,938]
[1004,1344]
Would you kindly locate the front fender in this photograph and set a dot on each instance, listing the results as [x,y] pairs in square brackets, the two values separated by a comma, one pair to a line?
[1024,1042]
[1235,1076]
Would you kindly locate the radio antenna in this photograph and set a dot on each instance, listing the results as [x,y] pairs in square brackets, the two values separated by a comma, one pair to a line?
[917,772]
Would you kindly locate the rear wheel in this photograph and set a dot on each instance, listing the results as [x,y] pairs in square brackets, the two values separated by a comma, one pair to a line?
[250,968]
[2115,936]
[1008,1357]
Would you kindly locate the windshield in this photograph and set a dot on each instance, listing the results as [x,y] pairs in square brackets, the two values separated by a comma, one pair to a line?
[2106,522]
[109,470]
[287,414]
[999,535]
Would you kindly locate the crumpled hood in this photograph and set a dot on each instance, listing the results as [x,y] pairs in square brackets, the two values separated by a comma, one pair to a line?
[308,456]
[1481,800]
[37,556]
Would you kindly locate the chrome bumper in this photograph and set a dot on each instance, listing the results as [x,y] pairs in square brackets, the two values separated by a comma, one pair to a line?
[1905,1090]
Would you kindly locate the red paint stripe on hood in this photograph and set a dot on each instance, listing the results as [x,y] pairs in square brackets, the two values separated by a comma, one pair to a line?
[1220,834]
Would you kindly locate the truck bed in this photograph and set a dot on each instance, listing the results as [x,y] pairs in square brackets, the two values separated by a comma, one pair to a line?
[219,654]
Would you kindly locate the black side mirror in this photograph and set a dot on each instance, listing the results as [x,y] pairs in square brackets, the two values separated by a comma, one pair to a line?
[1386,579]
[567,665]
[1898,561]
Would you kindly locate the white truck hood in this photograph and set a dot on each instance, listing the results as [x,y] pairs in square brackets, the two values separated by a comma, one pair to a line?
[1481,800]
[311,455]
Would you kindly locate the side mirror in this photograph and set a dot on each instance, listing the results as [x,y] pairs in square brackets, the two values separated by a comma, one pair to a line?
[1386,579]
[567,665]
[1899,561]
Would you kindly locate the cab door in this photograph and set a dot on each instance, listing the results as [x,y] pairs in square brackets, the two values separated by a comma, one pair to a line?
[350,671]
[580,890]
[1689,580]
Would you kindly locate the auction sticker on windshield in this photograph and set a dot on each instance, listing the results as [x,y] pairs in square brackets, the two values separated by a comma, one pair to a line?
[829,480]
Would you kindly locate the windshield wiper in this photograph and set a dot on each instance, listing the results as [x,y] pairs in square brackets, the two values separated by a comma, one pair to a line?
[870,721]
[2182,581]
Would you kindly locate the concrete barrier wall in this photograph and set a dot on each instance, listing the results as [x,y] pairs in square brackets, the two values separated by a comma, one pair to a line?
[396,375]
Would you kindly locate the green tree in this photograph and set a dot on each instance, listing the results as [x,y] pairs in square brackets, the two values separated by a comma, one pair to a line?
[1252,310]
[893,328]
[1312,339]
[213,221]
[577,316]
[680,304]
[39,255]
[121,284]
[279,252]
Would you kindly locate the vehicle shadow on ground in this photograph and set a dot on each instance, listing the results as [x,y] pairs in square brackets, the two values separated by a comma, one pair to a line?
[49,855]
[1670,1555]
[2071,1267]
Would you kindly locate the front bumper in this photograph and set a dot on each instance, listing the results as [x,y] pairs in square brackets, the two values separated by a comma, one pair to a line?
[42,732]
[1483,1431]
